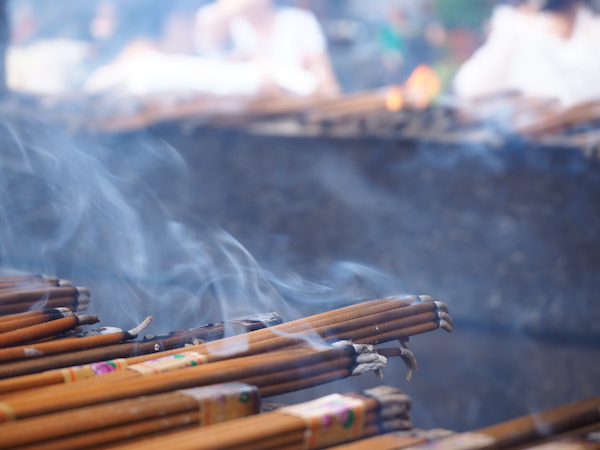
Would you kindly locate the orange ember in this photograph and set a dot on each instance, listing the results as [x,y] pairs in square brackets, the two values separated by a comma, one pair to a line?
[394,100]
[422,86]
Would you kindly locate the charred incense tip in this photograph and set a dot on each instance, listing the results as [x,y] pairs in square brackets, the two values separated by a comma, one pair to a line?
[102,331]
[445,317]
[137,330]
[87,319]
[83,292]
[65,312]
[445,325]
[65,283]
[427,298]
[407,357]
[403,298]
[441,306]
[410,361]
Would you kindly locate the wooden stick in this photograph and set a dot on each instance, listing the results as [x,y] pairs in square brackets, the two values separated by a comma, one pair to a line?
[40,331]
[24,315]
[104,336]
[15,308]
[389,441]
[127,433]
[532,427]
[10,296]
[11,325]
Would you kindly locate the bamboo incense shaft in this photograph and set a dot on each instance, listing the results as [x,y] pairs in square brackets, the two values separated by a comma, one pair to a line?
[304,383]
[556,420]
[240,369]
[26,314]
[25,278]
[33,284]
[64,302]
[28,321]
[128,433]
[40,294]
[388,441]
[296,438]
[529,428]
[61,346]
[414,330]
[43,330]
[584,438]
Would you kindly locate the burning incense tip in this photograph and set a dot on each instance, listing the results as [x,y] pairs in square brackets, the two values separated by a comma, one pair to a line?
[445,326]
[65,312]
[83,291]
[137,330]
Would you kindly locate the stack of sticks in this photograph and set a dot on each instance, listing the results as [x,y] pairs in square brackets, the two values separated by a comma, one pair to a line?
[283,358]
[27,293]
[93,405]
[372,322]
[317,424]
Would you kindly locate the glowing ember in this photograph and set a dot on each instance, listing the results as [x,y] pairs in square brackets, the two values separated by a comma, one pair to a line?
[394,100]
[422,86]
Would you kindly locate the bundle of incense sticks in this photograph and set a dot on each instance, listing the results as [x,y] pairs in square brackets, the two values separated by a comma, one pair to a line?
[273,373]
[27,293]
[371,322]
[127,419]
[316,424]
[52,325]
[16,362]
[526,429]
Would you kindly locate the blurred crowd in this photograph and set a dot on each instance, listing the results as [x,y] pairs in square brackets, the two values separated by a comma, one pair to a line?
[475,48]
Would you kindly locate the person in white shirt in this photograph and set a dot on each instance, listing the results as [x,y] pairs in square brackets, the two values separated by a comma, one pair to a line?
[286,44]
[546,49]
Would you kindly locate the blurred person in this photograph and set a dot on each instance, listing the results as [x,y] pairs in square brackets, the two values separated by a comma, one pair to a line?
[544,49]
[285,44]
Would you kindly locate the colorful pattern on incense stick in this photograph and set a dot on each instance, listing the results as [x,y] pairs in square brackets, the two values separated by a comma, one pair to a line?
[169,363]
[222,402]
[75,373]
[330,420]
